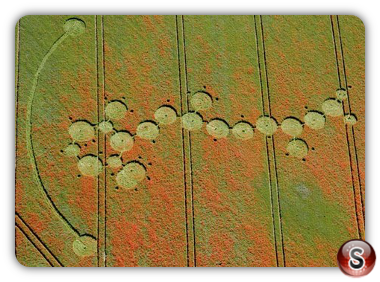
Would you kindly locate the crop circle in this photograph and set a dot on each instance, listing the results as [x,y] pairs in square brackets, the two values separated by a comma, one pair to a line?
[315,120]
[147,130]
[341,94]
[297,148]
[135,170]
[114,161]
[90,165]
[266,125]
[72,150]
[116,110]
[192,121]
[81,131]
[121,141]
[292,126]
[201,101]
[85,246]
[74,27]
[350,119]
[105,126]
[332,107]
[242,130]
[218,128]
[165,115]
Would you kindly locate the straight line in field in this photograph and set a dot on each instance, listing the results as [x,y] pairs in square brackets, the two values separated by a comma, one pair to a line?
[36,241]
[352,128]
[350,132]
[102,178]
[273,146]
[270,147]
[186,144]
[266,143]
[17,79]
[34,245]
[105,145]
[17,76]
[183,144]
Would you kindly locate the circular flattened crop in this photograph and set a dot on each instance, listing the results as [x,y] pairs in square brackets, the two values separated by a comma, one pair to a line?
[201,101]
[341,94]
[292,126]
[81,131]
[90,165]
[125,181]
[147,130]
[350,119]
[74,27]
[85,245]
[114,161]
[266,125]
[116,110]
[105,127]
[192,121]
[121,141]
[72,150]
[242,130]
[165,115]
[135,170]
[332,107]
[297,148]
[130,175]
[218,128]
[315,120]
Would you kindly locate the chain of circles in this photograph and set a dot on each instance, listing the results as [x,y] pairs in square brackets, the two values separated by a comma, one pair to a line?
[133,172]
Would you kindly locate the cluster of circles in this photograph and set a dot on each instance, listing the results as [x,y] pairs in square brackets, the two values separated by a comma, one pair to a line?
[133,172]
[268,125]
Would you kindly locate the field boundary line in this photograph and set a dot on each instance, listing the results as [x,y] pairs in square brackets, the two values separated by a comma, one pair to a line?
[350,133]
[270,145]
[183,142]
[36,241]
[17,83]
[186,144]
[357,169]
[101,177]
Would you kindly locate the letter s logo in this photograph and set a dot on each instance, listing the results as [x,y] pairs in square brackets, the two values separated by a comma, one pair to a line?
[356,261]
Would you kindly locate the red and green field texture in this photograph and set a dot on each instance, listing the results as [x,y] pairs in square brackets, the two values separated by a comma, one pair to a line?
[230,172]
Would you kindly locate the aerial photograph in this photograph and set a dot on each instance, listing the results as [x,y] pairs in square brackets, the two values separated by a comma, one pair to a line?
[188,141]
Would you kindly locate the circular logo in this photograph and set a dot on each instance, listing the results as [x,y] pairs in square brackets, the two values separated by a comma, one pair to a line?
[356,258]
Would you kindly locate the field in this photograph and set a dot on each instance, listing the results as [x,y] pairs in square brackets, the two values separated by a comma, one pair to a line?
[189,140]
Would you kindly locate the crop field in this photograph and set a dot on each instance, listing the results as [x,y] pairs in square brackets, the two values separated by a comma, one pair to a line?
[189,140]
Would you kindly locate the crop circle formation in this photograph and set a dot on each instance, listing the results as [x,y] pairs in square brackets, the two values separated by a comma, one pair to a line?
[165,115]
[81,131]
[201,101]
[266,125]
[192,121]
[243,130]
[292,126]
[332,107]
[147,130]
[315,120]
[218,128]
[116,110]
[121,141]
[85,245]
[133,172]
[74,27]
[297,148]
[90,165]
